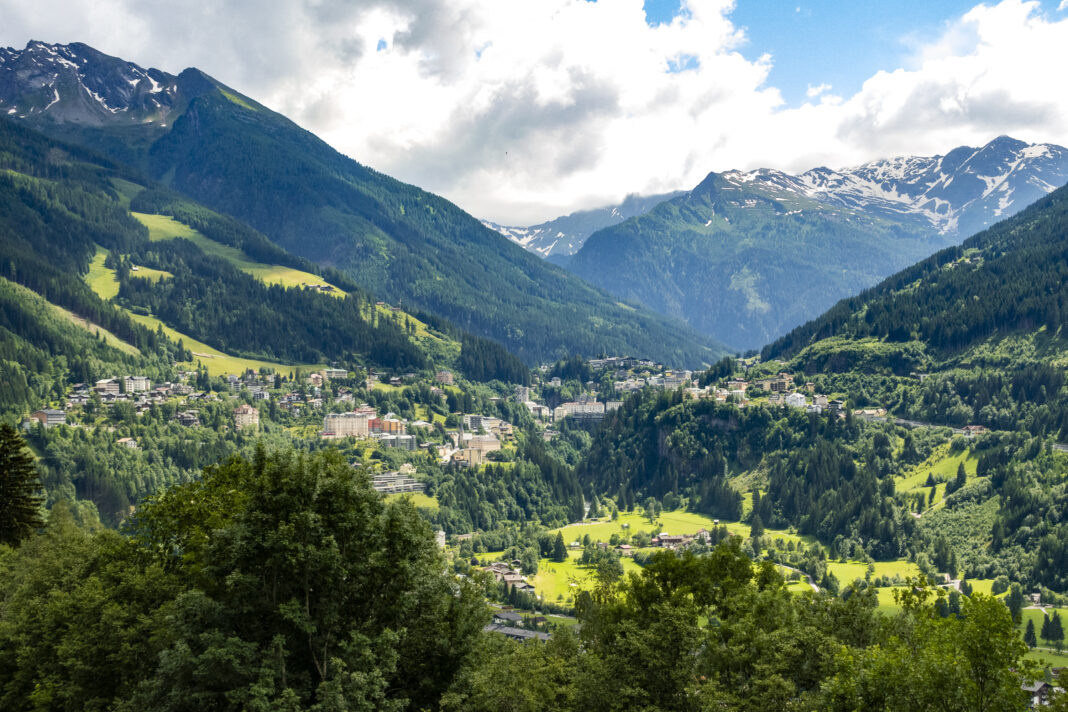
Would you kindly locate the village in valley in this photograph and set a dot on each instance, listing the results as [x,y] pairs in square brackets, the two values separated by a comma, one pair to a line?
[397,426]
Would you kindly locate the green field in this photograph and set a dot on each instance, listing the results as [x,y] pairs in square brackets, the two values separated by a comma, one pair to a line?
[423,501]
[217,363]
[555,580]
[942,464]
[559,581]
[162,227]
[441,350]
[852,570]
[101,279]
[153,275]
[127,191]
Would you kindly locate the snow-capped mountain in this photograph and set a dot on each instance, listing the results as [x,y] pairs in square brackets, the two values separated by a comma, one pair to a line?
[76,84]
[747,256]
[957,194]
[954,195]
[563,236]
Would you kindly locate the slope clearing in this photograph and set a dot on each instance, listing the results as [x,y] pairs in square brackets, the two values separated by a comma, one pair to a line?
[162,227]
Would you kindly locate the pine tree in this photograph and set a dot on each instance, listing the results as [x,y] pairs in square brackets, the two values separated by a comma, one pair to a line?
[1015,602]
[756,526]
[1056,630]
[559,548]
[1046,631]
[1029,634]
[20,506]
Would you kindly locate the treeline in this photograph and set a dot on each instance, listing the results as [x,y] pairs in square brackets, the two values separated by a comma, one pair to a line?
[1024,536]
[213,301]
[1012,277]
[284,582]
[693,633]
[483,360]
[826,476]
[229,231]
[53,213]
[535,487]
[361,618]
[42,352]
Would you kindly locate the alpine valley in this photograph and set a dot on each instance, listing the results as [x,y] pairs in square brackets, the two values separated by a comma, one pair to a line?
[279,432]
[746,256]
[235,156]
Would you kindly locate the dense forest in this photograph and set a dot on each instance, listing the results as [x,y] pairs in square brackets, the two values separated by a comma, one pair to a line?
[827,477]
[283,582]
[55,208]
[213,301]
[61,204]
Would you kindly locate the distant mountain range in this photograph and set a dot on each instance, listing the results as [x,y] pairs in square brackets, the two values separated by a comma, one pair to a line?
[225,150]
[747,256]
[564,236]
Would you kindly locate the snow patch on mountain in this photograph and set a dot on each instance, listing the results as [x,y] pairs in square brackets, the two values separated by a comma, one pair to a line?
[564,236]
[77,84]
[964,191]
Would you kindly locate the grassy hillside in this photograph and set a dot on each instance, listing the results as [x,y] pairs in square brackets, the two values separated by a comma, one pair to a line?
[44,347]
[1010,279]
[224,291]
[164,227]
[403,244]
[972,336]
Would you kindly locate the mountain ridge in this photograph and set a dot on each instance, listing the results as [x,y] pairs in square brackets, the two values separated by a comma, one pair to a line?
[563,236]
[747,256]
[410,247]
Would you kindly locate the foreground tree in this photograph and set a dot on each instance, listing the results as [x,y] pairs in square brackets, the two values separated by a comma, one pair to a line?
[20,506]
[285,583]
[928,662]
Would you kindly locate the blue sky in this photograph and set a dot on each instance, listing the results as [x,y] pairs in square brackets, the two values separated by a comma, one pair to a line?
[836,42]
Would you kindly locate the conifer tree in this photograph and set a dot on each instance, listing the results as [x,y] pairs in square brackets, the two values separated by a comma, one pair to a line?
[19,503]
[1015,602]
[756,527]
[1029,635]
[1056,630]
[559,548]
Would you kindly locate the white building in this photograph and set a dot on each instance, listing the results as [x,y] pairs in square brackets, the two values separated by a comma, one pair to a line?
[346,425]
[245,416]
[136,384]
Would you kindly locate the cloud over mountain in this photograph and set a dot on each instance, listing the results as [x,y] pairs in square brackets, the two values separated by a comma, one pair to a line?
[521,111]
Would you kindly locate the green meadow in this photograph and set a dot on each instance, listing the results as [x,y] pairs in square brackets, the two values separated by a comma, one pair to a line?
[162,227]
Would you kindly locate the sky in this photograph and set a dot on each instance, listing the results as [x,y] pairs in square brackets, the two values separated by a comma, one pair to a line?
[521,111]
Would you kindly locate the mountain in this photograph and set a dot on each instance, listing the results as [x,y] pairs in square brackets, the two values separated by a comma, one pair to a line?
[965,350]
[974,336]
[747,256]
[564,236]
[1009,281]
[149,278]
[224,150]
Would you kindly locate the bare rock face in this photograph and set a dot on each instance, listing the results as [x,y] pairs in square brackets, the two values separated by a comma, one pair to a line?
[75,84]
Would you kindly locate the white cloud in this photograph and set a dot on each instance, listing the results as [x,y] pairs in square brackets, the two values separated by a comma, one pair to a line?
[813,91]
[520,111]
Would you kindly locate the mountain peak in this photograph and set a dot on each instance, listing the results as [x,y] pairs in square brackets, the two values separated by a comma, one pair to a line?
[1006,143]
[77,84]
